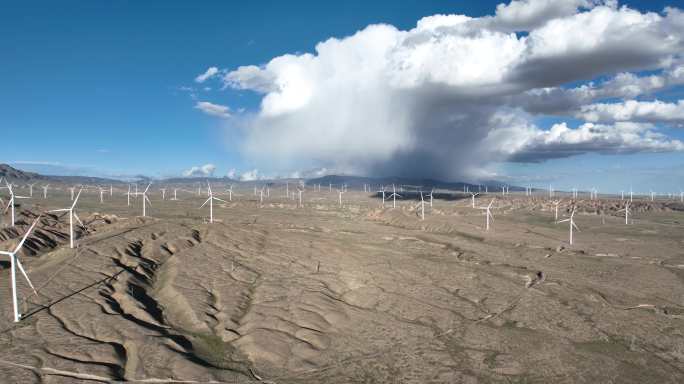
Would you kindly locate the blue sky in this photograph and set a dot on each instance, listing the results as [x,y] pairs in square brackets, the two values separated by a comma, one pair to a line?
[96,86]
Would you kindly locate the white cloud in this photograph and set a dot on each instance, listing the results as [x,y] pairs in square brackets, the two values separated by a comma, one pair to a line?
[209,73]
[529,144]
[250,175]
[427,100]
[524,15]
[232,174]
[213,109]
[203,170]
[632,110]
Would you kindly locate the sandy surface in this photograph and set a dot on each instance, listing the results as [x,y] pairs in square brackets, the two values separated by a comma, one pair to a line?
[358,294]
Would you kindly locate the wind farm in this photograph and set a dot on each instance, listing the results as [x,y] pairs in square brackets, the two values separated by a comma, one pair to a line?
[240,246]
[414,192]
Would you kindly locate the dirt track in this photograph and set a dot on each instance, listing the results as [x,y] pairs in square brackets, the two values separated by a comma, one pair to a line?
[353,294]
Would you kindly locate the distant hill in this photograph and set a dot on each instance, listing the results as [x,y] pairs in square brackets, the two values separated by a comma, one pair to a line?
[14,174]
[357,182]
[197,179]
[11,173]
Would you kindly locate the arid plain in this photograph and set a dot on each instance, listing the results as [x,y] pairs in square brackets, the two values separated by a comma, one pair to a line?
[273,292]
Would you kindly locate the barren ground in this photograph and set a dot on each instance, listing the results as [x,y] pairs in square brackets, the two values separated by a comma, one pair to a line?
[358,294]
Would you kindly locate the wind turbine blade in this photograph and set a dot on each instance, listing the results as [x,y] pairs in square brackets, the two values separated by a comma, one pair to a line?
[563,221]
[148,200]
[79,220]
[216,198]
[201,206]
[8,206]
[148,187]
[26,235]
[76,199]
[576,227]
[21,197]
[60,210]
[23,272]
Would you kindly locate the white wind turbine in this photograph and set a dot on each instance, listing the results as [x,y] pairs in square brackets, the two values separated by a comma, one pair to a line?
[14,263]
[163,191]
[431,191]
[45,189]
[393,196]
[383,196]
[488,214]
[31,189]
[230,193]
[210,200]
[145,199]
[71,191]
[128,196]
[340,192]
[175,194]
[472,196]
[627,212]
[556,204]
[570,220]
[422,206]
[72,216]
[102,192]
[12,201]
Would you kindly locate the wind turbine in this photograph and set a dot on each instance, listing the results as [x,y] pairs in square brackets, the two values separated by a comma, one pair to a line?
[128,195]
[210,200]
[340,192]
[431,191]
[472,195]
[175,196]
[11,200]
[230,193]
[144,195]
[71,190]
[488,214]
[102,192]
[393,196]
[31,189]
[422,206]
[627,212]
[556,204]
[45,189]
[163,191]
[383,196]
[571,220]
[72,215]
[14,263]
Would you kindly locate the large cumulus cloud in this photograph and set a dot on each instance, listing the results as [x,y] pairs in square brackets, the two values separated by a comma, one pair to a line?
[456,93]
